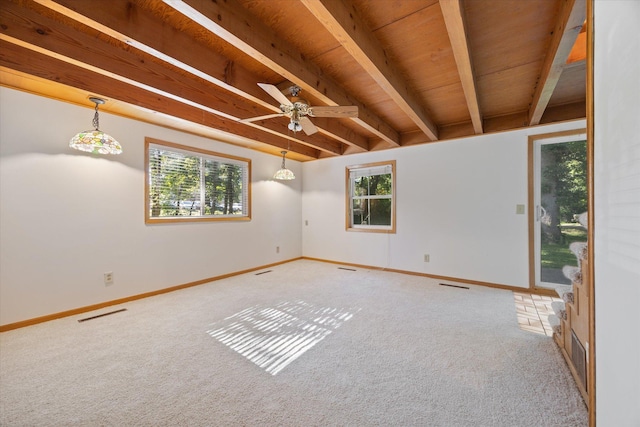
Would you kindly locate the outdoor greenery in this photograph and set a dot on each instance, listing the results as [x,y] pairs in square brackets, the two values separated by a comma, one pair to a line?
[193,185]
[557,255]
[563,185]
[563,197]
[368,207]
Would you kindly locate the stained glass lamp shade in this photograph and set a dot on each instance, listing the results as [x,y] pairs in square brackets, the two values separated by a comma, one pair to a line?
[95,141]
[283,173]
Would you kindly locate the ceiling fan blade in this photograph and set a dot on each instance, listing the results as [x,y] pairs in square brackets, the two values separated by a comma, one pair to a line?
[255,119]
[337,111]
[275,92]
[307,126]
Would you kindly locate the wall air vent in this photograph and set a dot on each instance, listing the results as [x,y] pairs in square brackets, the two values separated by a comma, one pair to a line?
[578,358]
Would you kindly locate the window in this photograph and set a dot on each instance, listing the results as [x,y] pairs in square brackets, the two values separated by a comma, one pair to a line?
[188,184]
[370,197]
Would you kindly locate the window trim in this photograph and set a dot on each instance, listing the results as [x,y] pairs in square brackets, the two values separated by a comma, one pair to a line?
[148,219]
[349,201]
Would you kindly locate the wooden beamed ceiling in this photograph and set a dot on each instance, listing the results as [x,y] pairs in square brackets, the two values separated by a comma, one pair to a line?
[418,70]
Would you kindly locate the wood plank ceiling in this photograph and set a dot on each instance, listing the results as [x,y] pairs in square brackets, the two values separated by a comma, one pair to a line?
[418,70]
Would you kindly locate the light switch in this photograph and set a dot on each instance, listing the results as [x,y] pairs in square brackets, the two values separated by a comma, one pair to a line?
[519,209]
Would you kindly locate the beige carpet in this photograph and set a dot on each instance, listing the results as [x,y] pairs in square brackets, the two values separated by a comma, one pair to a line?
[307,344]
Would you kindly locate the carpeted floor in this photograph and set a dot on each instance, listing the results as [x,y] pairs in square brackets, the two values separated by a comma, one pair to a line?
[307,344]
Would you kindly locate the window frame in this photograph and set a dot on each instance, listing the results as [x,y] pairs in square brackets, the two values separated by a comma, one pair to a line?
[201,153]
[349,226]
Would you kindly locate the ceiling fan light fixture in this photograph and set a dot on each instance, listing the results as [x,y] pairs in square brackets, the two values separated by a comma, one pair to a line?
[294,126]
[298,110]
[284,174]
[95,141]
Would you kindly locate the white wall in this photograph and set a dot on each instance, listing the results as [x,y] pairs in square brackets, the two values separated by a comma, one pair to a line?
[617,212]
[456,201]
[66,217]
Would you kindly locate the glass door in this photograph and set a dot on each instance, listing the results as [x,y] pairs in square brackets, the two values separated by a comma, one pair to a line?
[559,200]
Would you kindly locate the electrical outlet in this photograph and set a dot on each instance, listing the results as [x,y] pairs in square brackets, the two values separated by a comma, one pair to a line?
[108,278]
[277,249]
[426,257]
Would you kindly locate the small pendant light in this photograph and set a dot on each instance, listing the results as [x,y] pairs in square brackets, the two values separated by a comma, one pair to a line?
[283,173]
[95,141]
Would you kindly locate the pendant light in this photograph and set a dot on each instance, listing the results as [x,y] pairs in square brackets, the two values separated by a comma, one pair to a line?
[283,173]
[95,141]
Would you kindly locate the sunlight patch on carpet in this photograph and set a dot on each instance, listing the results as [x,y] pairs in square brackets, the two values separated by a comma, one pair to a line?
[533,312]
[273,337]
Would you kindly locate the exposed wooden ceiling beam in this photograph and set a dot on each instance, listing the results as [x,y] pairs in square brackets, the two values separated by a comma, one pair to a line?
[344,22]
[149,35]
[571,111]
[454,20]
[132,24]
[20,58]
[132,67]
[232,23]
[570,20]
[141,43]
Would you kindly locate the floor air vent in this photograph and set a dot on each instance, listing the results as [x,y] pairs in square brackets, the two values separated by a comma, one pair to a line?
[454,286]
[102,315]
[264,272]
[578,357]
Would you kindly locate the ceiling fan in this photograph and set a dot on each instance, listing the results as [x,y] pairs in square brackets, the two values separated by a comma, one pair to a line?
[298,110]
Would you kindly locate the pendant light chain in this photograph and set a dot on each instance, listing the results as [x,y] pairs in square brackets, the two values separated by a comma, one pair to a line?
[96,120]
